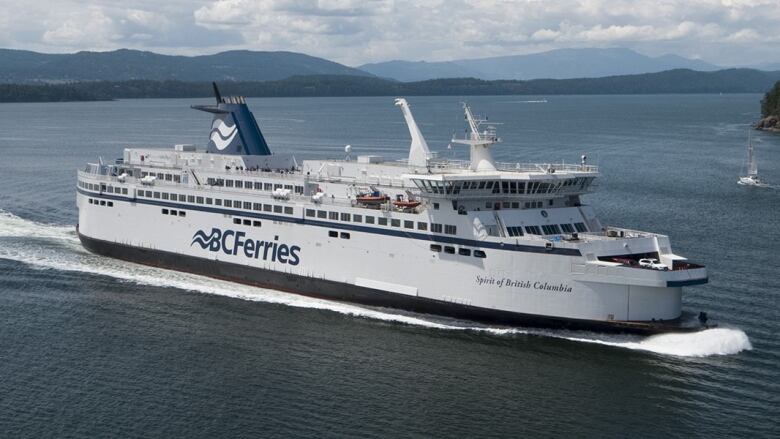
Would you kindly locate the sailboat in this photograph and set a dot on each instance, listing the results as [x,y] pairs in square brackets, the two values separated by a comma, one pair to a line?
[751,179]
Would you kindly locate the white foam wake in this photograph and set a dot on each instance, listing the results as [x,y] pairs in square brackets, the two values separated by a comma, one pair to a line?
[67,254]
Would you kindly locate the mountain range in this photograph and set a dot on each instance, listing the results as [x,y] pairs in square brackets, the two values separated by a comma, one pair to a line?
[554,64]
[122,65]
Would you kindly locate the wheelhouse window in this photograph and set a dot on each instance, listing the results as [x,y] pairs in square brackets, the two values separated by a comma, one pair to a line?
[533,230]
[567,228]
[580,227]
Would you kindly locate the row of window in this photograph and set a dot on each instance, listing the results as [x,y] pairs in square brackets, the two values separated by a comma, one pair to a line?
[462,251]
[335,234]
[160,176]
[256,185]
[102,188]
[236,204]
[382,221]
[101,202]
[174,212]
[247,222]
[501,187]
[547,229]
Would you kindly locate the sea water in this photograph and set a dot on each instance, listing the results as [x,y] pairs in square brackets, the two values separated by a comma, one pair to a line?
[91,346]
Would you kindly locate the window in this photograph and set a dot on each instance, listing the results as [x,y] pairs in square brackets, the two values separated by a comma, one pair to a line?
[464,252]
[450,230]
[357,218]
[102,202]
[382,221]
[369,220]
[110,204]
[322,214]
[479,254]
[148,194]
[247,222]
[506,204]
[515,205]
[247,205]
[515,231]
[333,233]
[228,203]
[237,204]
[165,196]
[257,206]
[333,215]
[165,211]
[124,191]
[190,198]
[550,229]
[449,250]
[217,201]
[267,207]
[436,248]
[199,200]
[533,230]
[580,227]
[236,220]
[267,186]
[258,185]
[174,212]
[436,206]
[436,228]
[288,210]
[277,209]
[310,212]
[567,228]
[395,222]
[90,201]
[408,224]
[345,217]
[422,226]
[256,223]
[182,213]
[229,183]
[344,235]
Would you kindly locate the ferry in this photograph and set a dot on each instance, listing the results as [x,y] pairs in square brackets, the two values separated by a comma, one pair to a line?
[506,243]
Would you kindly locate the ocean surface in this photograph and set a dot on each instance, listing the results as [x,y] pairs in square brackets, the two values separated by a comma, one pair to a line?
[94,347]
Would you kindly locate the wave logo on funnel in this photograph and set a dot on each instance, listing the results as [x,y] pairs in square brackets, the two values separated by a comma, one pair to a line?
[222,133]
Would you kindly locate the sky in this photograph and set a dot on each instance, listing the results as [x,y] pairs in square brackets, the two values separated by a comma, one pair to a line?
[353,32]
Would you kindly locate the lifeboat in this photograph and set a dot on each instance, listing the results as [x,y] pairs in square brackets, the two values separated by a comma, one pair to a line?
[405,204]
[372,199]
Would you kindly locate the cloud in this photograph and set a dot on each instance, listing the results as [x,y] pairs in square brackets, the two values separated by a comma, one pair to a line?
[357,31]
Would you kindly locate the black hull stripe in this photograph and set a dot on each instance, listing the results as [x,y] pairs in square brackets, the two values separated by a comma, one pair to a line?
[341,226]
[327,289]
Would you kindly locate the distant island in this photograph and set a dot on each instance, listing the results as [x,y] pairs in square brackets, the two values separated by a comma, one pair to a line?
[668,82]
[770,110]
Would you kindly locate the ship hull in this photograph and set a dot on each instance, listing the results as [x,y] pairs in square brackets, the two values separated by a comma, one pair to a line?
[333,290]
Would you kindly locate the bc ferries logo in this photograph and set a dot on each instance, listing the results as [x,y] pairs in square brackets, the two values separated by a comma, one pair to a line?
[231,242]
[222,133]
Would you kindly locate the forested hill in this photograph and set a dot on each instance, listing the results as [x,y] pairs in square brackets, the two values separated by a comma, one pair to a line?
[770,105]
[672,81]
[21,66]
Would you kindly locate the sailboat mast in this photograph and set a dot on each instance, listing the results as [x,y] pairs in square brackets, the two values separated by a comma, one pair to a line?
[752,167]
